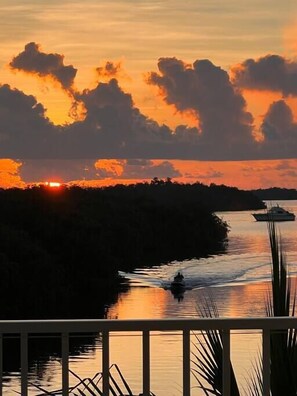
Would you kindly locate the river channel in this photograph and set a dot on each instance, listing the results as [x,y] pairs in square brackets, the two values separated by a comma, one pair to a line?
[237,280]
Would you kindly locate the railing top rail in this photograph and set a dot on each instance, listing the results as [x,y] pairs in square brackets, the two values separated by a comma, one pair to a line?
[98,325]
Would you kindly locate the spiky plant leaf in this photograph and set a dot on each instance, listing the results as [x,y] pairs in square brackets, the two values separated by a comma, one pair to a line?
[208,355]
[283,344]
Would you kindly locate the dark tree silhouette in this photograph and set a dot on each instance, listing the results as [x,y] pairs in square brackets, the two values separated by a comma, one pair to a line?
[61,249]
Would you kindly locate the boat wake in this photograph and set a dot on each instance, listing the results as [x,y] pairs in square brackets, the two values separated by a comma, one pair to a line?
[219,270]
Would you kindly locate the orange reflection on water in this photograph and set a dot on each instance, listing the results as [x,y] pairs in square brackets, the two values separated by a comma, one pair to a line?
[241,301]
[166,352]
[140,303]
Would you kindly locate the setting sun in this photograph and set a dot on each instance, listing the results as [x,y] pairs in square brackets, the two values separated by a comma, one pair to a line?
[52,184]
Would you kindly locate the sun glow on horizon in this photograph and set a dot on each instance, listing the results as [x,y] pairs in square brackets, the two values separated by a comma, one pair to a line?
[52,184]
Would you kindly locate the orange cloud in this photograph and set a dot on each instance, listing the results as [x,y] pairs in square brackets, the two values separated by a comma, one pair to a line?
[242,174]
[109,168]
[9,174]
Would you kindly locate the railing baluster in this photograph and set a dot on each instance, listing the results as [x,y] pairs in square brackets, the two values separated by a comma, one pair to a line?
[65,364]
[266,361]
[146,362]
[106,327]
[186,363]
[105,362]
[1,363]
[226,362]
[24,364]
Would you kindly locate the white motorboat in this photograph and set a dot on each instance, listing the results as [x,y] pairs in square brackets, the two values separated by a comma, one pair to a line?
[275,213]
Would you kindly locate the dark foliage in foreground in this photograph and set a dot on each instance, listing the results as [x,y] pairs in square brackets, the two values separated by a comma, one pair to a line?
[61,249]
[281,302]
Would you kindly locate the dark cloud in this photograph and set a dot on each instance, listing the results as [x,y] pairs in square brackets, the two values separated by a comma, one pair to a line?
[207,90]
[147,169]
[113,127]
[136,169]
[279,131]
[278,124]
[33,171]
[107,129]
[109,69]
[24,129]
[32,60]
[271,72]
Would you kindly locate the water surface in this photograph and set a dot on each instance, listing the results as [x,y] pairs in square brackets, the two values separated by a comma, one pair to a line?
[237,280]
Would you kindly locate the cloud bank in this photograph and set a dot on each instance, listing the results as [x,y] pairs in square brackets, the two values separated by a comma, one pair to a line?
[113,127]
[33,171]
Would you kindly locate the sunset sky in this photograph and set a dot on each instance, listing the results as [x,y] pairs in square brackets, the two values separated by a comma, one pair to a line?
[122,91]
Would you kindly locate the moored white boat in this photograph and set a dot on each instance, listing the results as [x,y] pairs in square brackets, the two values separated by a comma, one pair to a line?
[275,213]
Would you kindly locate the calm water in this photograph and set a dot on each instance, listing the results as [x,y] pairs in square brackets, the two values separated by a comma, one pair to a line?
[236,280]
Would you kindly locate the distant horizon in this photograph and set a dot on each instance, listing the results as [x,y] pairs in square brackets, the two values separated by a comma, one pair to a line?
[55,185]
[245,175]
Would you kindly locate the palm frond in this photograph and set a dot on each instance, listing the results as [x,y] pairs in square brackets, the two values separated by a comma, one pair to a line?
[208,355]
[255,381]
[283,343]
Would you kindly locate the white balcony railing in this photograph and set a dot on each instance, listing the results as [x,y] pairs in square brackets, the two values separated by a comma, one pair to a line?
[105,327]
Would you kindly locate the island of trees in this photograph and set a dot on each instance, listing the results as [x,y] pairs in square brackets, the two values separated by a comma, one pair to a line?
[276,193]
[61,249]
